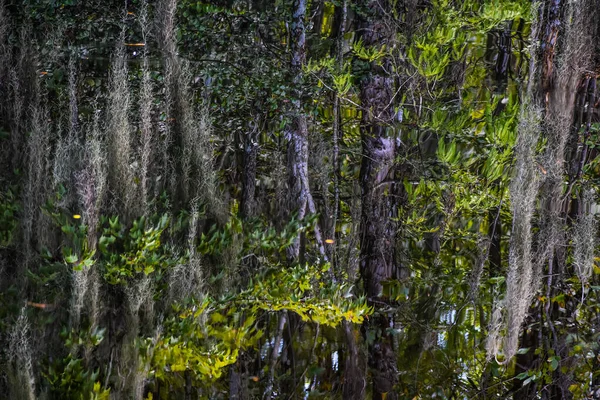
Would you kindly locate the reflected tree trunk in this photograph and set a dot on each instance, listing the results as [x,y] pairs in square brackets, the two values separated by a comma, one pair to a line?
[379,203]
[341,17]
[354,371]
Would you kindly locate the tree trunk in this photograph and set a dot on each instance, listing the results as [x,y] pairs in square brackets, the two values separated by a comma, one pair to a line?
[530,338]
[248,203]
[188,384]
[354,378]
[300,199]
[378,228]
[568,28]
[341,17]
[298,131]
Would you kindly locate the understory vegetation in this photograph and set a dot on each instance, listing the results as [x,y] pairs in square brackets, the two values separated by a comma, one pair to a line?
[294,199]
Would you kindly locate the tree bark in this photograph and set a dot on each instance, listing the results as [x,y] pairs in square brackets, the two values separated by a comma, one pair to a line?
[354,379]
[248,203]
[341,17]
[188,384]
[300,199]
[379,203]
[354,383]
[530,338]
[567,28]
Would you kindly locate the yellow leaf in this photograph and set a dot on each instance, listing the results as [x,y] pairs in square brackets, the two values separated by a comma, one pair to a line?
[477,114]
[574,388]
[77,216]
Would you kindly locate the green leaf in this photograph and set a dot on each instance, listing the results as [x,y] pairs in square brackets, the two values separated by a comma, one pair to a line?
[71,259]
[522,375]
[554,361]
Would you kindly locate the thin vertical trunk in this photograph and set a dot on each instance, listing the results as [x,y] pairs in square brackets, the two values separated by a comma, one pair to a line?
[248,206]
[300,199]
[530,338]
[235,385]
[354,380]
[297,154]
[240,370]
[298,131]
[353,372]
[378,229]
[337,129]
[501,69]
[238,388]
[188,384]
[495,234]
[289,356]
[156,394]
[146,128]
[274,356]
[166,10]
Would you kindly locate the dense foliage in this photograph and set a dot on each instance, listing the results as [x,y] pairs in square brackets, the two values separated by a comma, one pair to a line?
[299,199]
